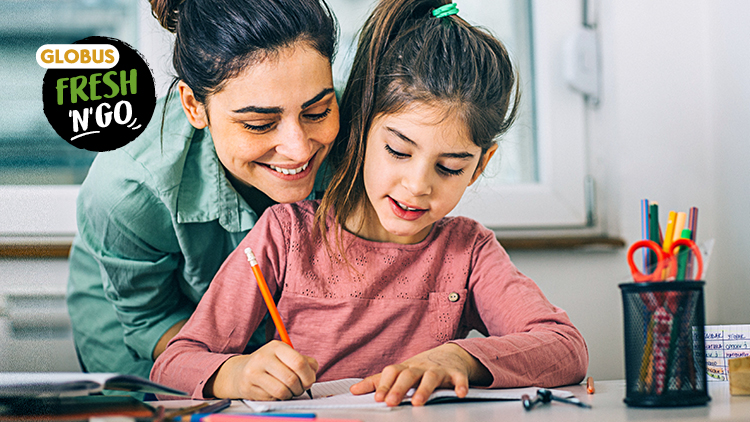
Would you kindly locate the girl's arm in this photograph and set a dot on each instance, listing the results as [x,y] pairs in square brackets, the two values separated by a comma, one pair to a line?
[530,341]
[205,358]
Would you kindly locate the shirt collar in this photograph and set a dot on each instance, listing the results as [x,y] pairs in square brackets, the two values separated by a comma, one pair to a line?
[205,193]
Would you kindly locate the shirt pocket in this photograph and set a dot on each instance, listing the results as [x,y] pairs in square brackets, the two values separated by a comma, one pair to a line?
[444,312]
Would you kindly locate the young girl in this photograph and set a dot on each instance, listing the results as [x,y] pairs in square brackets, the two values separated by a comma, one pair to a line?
[375,281]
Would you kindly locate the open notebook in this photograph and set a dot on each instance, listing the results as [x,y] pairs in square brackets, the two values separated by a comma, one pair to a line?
[56,384]
[336,395]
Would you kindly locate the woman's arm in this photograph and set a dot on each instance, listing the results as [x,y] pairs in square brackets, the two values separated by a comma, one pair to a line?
[161,345]
[128,232]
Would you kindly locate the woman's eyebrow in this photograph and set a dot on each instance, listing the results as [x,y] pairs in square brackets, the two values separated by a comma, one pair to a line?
[317,98]
[460,155]
[279,110]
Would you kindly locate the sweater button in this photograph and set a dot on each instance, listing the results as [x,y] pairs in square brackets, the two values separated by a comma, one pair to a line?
[453,297]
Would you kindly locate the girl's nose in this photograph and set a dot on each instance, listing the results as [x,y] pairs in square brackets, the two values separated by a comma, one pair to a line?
[418,181]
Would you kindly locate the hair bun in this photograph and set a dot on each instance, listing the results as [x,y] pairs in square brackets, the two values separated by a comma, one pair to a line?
[166,11]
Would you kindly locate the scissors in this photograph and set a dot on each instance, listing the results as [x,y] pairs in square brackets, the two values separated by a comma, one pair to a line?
[664,259]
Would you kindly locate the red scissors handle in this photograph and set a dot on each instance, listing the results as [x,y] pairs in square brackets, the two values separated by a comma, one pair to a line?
[696,252]
[661,261]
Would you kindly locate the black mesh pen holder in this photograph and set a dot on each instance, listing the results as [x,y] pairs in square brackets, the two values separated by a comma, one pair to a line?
[665,356]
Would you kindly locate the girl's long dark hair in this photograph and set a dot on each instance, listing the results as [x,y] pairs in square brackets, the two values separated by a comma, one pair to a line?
[405,55]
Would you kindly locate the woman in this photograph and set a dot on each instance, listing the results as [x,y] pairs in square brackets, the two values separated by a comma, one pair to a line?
[255,117]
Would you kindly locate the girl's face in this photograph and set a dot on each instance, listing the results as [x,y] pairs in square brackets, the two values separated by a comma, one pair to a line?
[274,123]
[417,166]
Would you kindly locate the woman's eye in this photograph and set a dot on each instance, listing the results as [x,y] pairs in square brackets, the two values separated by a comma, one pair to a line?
[449,172]
[395,153]
[318,116]
[260,128]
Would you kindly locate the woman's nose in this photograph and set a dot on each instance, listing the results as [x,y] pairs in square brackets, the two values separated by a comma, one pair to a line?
[294,143]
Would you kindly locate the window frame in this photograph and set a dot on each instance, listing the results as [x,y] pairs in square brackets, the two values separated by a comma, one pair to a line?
[561,199]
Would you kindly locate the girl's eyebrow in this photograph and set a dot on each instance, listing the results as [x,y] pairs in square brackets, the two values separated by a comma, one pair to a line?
[460,155]
[279,110]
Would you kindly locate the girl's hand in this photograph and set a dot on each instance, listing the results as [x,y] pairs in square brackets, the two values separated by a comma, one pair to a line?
[447,365]
[273,372]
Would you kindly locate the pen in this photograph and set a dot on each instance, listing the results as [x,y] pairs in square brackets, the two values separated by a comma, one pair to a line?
[269,302]
[205,409]
[529,403]
[547,396]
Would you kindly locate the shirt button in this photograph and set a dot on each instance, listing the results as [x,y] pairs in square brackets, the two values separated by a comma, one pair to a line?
[453,297]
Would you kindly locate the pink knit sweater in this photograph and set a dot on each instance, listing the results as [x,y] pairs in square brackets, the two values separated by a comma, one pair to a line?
[396,301]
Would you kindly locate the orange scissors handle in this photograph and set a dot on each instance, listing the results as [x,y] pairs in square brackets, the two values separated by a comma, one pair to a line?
[661,261]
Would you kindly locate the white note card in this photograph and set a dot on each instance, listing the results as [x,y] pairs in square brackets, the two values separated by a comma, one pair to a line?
[724,342]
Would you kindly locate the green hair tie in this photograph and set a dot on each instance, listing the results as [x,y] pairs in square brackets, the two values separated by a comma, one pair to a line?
[445,10]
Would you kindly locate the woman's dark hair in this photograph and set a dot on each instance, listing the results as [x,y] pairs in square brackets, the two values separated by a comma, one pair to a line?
[216,39]
[405,55]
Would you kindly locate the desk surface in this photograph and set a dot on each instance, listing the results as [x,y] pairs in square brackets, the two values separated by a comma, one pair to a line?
[607,406]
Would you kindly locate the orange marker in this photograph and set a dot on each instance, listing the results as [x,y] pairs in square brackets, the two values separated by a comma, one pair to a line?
[590,385]
[269,301]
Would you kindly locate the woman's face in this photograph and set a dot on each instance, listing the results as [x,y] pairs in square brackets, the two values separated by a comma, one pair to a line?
[274,123]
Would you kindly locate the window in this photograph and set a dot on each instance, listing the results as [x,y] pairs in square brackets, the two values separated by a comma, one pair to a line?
[39,172]
[536,181]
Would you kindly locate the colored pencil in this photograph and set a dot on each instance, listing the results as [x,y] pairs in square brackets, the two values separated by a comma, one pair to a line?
[270,304]
[692,224]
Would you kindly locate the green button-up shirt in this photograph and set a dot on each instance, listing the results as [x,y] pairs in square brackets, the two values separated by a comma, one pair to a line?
[156,219]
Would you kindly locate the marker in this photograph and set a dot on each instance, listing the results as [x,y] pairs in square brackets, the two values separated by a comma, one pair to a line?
[184,415]
[269,302]
[244,416]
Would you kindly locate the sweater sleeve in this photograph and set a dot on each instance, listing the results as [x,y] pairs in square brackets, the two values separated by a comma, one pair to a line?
[529,341]
[228,313]
[127,230]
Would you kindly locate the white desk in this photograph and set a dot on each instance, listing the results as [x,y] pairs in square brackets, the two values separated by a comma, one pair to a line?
[607,406]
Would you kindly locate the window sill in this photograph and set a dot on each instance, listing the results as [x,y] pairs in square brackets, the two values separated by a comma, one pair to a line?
[52,249]
[561,243]
[42,249]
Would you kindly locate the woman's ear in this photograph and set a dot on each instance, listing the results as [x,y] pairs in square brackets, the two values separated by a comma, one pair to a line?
[194,109]
[483,163]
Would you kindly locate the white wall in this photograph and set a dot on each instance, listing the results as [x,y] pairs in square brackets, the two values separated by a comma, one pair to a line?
[673,126]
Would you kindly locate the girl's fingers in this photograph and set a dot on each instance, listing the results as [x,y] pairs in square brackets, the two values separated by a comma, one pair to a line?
[430,381]
[367,385]
[406,379]
[292,372]
[461,384]
[387,378]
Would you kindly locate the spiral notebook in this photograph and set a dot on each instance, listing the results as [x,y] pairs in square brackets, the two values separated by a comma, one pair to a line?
[336,395]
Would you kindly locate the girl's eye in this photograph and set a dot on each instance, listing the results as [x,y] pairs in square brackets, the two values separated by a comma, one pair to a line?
[449,172]
[318,116]
[396,154]
[259,129]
